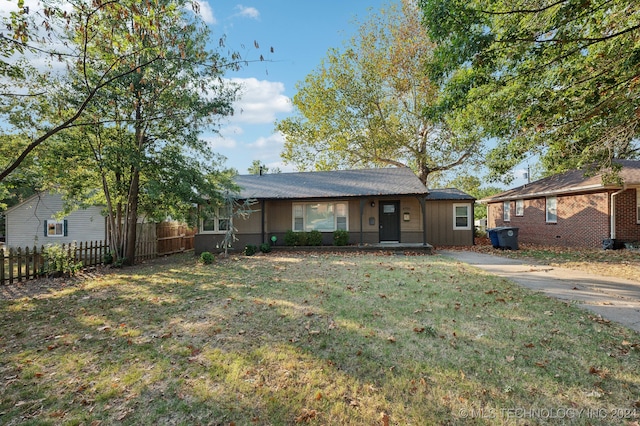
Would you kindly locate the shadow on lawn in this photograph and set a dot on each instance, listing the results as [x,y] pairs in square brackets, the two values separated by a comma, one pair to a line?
[330,339]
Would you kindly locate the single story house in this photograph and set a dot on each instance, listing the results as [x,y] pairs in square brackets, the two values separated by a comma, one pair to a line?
[571,209]
[387,205]
[33,223]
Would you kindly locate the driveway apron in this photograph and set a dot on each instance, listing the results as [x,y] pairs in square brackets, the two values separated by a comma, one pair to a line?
[615,299]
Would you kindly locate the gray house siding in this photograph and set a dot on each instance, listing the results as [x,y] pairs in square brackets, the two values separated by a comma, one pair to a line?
[26,222]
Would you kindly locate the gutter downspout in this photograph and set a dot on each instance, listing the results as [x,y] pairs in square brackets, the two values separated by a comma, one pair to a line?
[612,233]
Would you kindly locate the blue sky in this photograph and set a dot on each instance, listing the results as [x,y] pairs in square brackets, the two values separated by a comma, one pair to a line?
[301,33]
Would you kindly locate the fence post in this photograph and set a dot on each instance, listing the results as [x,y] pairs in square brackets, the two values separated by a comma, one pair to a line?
[1,266]
[11,266]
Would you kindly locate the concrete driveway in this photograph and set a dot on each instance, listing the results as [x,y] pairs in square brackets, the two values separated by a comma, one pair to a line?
[615,299]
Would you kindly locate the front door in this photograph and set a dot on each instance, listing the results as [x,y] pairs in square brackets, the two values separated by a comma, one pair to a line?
[389,221]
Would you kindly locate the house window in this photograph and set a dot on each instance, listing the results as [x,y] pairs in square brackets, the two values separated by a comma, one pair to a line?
[323,217]
[55,228]
[506,211]
[519,207]
[461,216]
[219,222]
[552,210]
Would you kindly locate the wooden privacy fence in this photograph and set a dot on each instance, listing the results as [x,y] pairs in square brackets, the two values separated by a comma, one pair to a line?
[18,265]
[153,240]
[161,239]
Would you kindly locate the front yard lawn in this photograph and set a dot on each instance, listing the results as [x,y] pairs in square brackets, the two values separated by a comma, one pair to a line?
[325,339]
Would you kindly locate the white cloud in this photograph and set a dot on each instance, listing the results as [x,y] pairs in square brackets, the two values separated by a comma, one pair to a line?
[271,143]
[248,12]
[220,142]
[206,12]
[260,101]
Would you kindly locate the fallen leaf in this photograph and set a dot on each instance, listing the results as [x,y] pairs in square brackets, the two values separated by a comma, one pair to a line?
[384,418]
[510,358]
[529,345]
[382,296]
[391,339]
[306,415]
[418,329]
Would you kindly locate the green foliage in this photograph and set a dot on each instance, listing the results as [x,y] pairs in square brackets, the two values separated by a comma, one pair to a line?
[108,258]
[291,238]
[60,261]
[314,238]
[250,249]
[364,105]
[340,237]
[558,80]
[265,248]
[207,257]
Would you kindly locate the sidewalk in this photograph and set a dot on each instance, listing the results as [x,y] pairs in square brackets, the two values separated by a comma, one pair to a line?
[615,299]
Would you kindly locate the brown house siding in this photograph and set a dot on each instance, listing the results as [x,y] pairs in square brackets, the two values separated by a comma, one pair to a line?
[278,220]
[440,230]
[583,220]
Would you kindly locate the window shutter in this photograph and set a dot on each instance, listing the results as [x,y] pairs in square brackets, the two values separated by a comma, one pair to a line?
[45,228]
[64,228]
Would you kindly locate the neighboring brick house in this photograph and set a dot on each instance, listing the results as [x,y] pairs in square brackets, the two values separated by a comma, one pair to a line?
[570,209]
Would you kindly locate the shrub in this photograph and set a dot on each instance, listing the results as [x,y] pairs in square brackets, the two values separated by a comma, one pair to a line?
[206,257]
[265,247]
[291,238]
[340,237]
[58,261]
[250,250]
[108,258]
[303,238]
[314,238]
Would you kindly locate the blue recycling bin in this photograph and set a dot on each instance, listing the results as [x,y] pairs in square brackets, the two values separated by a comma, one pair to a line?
[493,236]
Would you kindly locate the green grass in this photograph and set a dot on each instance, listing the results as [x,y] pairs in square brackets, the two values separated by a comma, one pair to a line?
[314,339]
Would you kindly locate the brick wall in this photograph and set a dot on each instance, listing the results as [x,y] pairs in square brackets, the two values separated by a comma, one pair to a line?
[627,227]
[583,220]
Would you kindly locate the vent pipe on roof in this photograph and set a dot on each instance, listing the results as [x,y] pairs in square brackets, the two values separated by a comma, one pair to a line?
[260,171]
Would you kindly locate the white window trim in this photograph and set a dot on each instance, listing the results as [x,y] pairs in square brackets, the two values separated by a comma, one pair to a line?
[54,222]
[506,211]
[455,216]
[520,207]
[637,205]
[216,223]
[548,210]
[335,218]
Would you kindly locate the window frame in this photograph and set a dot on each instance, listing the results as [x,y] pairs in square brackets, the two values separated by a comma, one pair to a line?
[299,223]
[520,207]
[506,211]
[216,218]
[467,207]
[64,228]
[548,209]
[638,205]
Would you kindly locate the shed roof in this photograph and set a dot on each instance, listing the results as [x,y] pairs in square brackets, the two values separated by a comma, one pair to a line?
[331,184]
[573,181]
[448,194]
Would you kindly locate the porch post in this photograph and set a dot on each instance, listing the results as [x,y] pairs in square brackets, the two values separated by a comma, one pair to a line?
[262,217]
[423,206]
[362,201]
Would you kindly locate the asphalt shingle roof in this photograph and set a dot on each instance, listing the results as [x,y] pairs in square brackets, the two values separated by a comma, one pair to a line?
[570,182]
[331,184]
[448,194]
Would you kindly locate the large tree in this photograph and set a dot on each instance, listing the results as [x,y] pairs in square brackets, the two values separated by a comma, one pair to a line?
[554,78]
[138,85]
[364,105]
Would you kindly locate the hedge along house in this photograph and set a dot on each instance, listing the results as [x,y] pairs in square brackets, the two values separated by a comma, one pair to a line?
[571,209]
[374,205]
